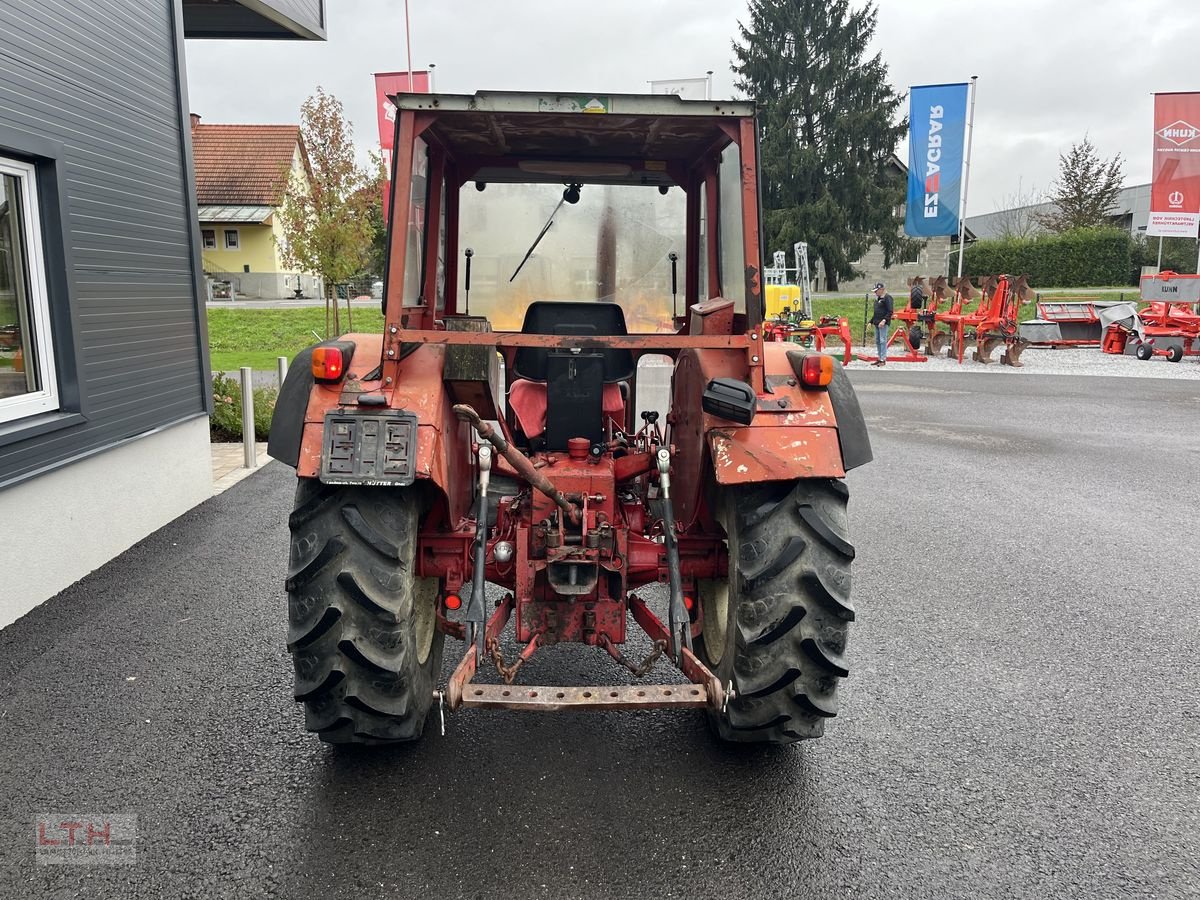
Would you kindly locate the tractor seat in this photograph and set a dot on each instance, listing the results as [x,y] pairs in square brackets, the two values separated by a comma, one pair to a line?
[582,318]
[570,392]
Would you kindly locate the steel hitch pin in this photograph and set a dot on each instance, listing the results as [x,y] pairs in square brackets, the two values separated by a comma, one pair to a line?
[679,621]
[475,611]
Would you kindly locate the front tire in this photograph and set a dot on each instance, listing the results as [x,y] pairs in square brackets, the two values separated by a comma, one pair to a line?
[777,627]
[362,629]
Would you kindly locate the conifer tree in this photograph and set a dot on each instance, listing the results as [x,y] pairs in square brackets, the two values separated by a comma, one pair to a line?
[830,125]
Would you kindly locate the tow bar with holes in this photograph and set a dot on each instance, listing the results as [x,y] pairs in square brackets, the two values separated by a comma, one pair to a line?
[704,691]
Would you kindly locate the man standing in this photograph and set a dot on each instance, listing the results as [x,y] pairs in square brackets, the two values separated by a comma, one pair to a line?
[881,319]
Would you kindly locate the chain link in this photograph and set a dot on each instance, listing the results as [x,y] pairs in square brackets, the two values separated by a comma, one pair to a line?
[639,670]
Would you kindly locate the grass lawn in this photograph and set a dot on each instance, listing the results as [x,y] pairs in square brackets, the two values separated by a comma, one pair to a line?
[255,337]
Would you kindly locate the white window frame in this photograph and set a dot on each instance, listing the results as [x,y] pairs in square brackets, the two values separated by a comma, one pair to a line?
[204,235]
[46,398]
[237,239]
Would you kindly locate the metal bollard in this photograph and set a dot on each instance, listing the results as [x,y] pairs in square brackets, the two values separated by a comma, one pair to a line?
[281,363]
[250,458]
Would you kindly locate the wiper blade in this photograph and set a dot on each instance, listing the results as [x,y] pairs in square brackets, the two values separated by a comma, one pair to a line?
[537,240]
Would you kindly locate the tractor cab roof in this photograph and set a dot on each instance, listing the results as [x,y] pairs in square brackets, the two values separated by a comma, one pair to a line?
[587,138]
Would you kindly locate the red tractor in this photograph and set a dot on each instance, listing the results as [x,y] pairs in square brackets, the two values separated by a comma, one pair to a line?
[513,431]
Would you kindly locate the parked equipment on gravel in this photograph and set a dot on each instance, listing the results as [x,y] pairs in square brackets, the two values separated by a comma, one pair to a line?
[1068,323]
[1169,326]
[994,322]
[909,333]
[790,326]
[426,471]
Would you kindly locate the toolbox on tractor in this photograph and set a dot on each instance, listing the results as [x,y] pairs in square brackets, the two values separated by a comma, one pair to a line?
[510,427]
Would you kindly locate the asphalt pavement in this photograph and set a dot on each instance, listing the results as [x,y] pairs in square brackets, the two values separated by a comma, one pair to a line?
[1021,719]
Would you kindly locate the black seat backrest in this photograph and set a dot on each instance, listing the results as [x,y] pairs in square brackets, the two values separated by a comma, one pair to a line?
[574,317]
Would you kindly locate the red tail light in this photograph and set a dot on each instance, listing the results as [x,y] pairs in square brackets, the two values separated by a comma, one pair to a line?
[328,363]
[816,370]
[453,601]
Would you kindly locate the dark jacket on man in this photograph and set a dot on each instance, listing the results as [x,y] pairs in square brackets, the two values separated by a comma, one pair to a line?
[883,310]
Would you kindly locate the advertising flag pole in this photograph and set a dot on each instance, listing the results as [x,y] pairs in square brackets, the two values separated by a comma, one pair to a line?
[408,44]
[962,213]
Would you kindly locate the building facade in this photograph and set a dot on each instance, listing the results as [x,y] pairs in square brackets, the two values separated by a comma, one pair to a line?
[104,382]
[1131,211]
[242,176]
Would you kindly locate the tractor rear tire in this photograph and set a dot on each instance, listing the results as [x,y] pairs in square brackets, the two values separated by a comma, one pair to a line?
[777,627]
[362,629]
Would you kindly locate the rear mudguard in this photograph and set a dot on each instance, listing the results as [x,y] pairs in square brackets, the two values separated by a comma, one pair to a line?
[442,457]
[795,433]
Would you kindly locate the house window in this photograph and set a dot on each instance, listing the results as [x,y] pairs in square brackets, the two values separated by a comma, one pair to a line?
[28,384]
[209,237]
[231,239]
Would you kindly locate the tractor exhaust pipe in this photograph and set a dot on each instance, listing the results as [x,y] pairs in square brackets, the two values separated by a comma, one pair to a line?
[518,460]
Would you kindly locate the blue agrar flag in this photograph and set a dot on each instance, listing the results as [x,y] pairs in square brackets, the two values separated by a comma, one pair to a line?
[937,126]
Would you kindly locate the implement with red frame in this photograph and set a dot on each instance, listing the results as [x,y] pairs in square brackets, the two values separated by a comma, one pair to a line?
[788,327]
[1169,326]
[993,323]
[425,471]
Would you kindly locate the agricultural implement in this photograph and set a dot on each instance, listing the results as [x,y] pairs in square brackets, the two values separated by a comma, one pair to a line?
[1168,326]
[789,326]
[993,323]
[1067,323]
[929,324]
[715,519]
[908,334]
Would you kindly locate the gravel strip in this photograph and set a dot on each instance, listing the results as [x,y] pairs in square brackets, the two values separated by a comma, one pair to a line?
[1065,361]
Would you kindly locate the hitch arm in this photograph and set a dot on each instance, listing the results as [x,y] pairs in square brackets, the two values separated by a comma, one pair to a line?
[518,460]
[678,619]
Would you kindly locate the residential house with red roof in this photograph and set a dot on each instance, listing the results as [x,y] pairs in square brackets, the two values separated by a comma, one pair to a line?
[242,174]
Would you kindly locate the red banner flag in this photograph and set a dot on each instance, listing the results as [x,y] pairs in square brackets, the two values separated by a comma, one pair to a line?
[386,84]
[1175,195]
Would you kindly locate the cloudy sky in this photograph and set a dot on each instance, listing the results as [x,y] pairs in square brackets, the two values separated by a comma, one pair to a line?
[1049,70]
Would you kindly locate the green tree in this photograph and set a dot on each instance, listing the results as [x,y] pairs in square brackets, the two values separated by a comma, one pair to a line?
[326,218]
[830,126]
[379,247]
[1086,189]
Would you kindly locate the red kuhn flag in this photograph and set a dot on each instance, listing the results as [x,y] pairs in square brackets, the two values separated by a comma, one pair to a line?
[386,84]
[1175,196]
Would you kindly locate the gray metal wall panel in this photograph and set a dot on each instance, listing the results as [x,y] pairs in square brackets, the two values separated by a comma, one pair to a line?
[288,19]
[309,13]
[99,78]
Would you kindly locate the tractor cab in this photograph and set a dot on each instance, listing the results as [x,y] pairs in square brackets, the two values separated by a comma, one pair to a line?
[573,400]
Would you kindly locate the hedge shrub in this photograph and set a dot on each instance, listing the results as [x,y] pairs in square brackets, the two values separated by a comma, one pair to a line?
[1085,257]
[225,423]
